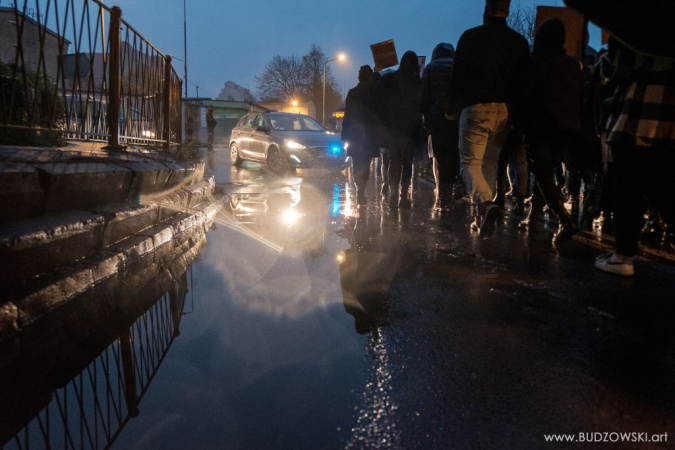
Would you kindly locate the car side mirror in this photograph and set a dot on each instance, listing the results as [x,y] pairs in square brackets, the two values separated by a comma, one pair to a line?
[261,128]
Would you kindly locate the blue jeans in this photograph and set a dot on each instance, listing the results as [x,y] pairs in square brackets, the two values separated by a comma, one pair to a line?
[483,129]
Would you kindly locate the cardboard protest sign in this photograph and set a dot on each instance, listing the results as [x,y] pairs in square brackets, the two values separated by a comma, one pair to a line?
[574,26]
[384,55]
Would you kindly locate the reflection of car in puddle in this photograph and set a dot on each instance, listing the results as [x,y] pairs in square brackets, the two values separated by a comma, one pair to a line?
[293,215]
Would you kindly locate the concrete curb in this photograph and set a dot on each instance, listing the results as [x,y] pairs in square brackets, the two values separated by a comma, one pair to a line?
[159,244]
[34,182]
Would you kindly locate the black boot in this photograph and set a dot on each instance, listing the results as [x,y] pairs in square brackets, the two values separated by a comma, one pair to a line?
[566,226]
[536,208]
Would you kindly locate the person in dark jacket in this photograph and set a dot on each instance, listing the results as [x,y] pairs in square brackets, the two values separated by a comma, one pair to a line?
[444,134]
[357,129]
[488,82]
[553,98]
[400,108]
[210,128]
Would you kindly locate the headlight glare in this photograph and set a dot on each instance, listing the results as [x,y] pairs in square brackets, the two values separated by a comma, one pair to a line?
[293,145]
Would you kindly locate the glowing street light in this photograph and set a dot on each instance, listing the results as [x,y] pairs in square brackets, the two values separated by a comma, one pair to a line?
[341,57]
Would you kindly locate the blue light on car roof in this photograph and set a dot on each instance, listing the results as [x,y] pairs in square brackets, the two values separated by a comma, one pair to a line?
[335,149]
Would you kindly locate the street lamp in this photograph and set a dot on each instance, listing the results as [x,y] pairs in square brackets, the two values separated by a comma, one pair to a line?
[340,57]
[185,46]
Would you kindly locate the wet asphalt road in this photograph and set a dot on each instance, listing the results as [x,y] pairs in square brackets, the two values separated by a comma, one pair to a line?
[315,326]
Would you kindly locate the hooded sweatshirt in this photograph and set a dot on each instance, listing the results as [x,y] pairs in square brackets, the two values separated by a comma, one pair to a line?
[436,84]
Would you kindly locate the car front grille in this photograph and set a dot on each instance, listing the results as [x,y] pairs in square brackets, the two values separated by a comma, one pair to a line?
[323,153]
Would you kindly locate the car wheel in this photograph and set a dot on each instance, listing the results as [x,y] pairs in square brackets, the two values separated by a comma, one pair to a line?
[276,161]
[235,158]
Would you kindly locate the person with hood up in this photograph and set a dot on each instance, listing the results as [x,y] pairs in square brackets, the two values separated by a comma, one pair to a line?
[444,134]
[357,129]
[553,97]
[400,108]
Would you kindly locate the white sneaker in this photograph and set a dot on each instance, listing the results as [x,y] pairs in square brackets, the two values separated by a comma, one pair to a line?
[616,264]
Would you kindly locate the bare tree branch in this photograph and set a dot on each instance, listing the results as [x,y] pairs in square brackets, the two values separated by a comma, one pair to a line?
[522,19]
[287,78]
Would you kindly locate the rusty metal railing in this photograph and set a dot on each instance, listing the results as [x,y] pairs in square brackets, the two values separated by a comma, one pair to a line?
[77,69]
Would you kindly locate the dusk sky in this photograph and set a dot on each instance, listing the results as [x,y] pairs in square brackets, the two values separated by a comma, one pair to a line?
[232,41]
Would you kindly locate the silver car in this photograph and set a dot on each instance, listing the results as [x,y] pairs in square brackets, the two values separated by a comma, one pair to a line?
[285,141]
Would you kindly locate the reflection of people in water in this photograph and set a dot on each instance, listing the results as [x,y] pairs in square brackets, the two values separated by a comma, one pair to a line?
[365,276]
[210,163]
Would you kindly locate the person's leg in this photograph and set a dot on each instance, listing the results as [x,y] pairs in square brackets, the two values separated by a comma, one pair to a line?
[384,168]
[474,129]
[567,226]
[573,167]
[542,167]
[394,175]
[661,188]
[209,143]
[444,142]
[630,178]
[407,152]
[483,129]
[495,144]
[502,172]
[361,174]
[519,161]
[545,150]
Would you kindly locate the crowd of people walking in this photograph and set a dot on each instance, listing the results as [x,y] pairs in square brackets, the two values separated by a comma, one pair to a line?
[493,109]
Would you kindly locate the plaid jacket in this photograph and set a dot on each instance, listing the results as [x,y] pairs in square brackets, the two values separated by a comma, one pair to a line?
[643,108]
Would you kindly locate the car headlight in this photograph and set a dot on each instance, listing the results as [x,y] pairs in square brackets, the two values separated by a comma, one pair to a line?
[293,145]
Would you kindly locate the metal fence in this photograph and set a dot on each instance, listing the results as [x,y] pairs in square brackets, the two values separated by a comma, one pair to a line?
[76,68]
[91,410]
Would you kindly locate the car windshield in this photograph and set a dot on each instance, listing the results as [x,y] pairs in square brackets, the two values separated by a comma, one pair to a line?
[293,122]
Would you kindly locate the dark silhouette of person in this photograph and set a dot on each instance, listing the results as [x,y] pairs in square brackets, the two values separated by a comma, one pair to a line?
[358,129]
[444,134]
[487,85]
[552,112]
[365,276]
[210,128]
[400,109]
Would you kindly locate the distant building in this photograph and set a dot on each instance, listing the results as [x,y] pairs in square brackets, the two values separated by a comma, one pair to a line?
[12,20]
[232,92]
[226,113]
